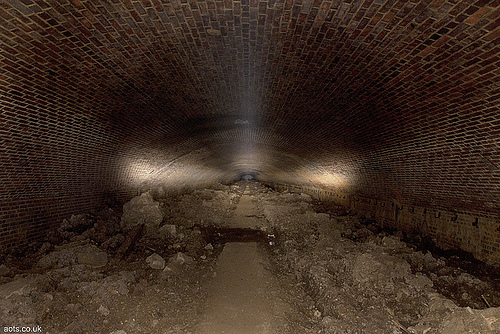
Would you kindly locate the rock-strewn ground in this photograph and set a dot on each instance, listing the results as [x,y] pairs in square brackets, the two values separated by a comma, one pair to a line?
[364,280]
[340,273]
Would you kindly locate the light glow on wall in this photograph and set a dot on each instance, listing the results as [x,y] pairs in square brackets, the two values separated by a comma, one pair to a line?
[337,176]
[331,180]
[139,172]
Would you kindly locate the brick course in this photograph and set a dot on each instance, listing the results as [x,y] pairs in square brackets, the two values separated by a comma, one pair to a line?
[390,100]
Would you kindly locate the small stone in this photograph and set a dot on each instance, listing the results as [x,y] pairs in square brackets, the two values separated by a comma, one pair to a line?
[155,261]
[73,308]
[48,296]
[392,242]
[181,258]
[45,248]
[103,310]
[420,328]
[327,321]
[4,270]
[114,242]
[118,332]
[167,230]
[170,270]
[167,269]
[209,247]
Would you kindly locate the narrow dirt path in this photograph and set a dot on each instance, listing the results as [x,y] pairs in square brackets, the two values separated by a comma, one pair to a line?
[242,298]
[241,295]
[245,214]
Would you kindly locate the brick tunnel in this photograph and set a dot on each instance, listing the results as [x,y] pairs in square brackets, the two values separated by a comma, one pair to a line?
[388,108]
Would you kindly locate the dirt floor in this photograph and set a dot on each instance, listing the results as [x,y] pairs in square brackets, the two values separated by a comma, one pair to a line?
[243,297]
[180,264]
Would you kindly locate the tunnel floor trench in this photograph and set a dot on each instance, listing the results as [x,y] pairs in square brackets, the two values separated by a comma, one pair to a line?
[244,296]
[239,258]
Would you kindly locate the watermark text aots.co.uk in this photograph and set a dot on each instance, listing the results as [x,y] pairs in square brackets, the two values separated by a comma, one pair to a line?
[22,329]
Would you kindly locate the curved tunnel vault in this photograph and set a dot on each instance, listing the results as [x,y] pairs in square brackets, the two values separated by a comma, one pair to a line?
[391,100]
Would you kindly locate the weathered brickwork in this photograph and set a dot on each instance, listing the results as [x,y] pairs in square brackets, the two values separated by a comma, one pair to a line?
[478,234]
[27,219]
[384,99]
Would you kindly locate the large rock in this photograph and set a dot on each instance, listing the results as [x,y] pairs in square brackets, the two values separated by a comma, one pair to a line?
[467,320]
[91,255]
[58,259]
[142,209]
[20,286]
[74,253]
[373,269]
[444,317]
[155,261]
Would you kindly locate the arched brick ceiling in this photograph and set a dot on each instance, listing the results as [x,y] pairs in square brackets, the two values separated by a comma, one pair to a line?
[391,99]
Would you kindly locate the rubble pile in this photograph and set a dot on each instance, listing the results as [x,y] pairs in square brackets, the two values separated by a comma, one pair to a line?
[202,207]
[369,282]
[109,272]
[144,270]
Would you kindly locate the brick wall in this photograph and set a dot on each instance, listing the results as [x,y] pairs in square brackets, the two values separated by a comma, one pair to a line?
[388,100]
